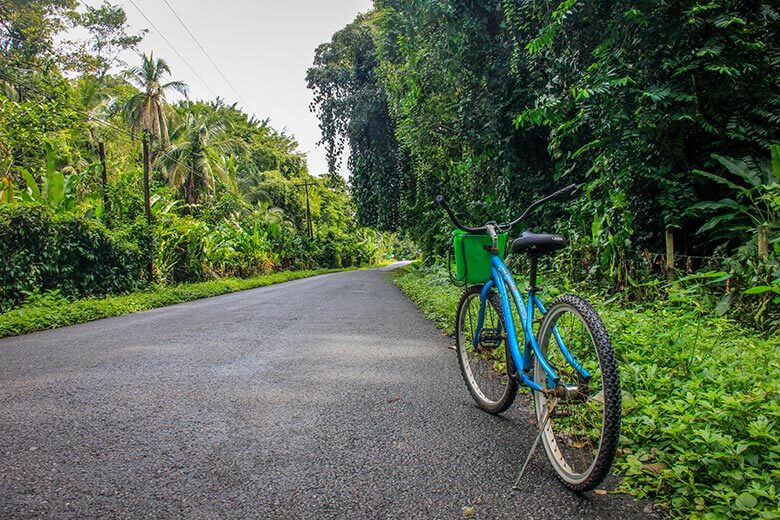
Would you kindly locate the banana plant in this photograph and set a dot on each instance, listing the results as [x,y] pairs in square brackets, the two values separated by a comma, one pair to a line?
[755,200]
[59,188]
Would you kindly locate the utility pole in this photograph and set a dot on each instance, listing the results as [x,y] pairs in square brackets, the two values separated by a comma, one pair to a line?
[147,203]
[309,228]
[104,175]
[147,167]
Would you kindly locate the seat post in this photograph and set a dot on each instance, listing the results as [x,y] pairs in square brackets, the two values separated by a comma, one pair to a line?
[534,265]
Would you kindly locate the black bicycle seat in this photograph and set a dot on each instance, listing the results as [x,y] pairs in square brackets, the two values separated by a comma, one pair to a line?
[537,243]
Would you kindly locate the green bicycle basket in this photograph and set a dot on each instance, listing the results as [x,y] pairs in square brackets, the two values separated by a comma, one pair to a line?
[472,260]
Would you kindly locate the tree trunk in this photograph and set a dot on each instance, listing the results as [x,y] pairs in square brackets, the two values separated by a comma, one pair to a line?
[763,241]
[669,255]
[147,201]
[191,199]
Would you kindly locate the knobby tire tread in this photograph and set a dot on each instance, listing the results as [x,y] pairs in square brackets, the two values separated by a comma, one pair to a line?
[610,388]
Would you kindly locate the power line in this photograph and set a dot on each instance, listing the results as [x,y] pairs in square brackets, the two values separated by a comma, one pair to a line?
[207,55]
[158,31]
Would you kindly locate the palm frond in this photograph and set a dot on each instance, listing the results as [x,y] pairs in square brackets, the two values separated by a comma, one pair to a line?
[179,86]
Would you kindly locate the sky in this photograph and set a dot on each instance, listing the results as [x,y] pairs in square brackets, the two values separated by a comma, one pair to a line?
[263,47]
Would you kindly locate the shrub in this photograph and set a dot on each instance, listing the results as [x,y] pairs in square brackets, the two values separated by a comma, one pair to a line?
[72,254]
[180,254]
[25,231]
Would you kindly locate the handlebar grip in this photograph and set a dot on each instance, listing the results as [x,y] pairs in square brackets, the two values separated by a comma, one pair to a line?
[441,201]
[570,187]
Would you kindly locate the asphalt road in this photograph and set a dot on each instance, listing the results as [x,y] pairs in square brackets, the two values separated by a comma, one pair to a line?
[330,397]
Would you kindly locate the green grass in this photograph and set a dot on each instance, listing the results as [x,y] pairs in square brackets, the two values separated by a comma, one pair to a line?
[700,432]
[49,312]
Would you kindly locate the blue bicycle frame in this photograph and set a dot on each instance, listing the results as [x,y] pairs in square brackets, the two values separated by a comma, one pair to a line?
[501,278]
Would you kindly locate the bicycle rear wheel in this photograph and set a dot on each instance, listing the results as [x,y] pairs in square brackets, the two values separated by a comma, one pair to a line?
[582,421]
[486,367]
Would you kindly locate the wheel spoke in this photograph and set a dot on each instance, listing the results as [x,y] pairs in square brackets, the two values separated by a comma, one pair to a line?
[579,441]
[484,366]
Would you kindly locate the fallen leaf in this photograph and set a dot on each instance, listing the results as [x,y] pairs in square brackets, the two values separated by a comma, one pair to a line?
[601,491]
[656,468]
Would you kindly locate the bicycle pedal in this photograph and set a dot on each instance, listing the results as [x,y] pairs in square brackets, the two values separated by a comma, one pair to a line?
[491,338]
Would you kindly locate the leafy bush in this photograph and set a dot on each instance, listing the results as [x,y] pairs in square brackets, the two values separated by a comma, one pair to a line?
[75,255]
[181,253]
[701,412]
[232,250]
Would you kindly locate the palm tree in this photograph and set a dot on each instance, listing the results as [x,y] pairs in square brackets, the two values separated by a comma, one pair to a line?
[148,110]
[194,160]
[94,99]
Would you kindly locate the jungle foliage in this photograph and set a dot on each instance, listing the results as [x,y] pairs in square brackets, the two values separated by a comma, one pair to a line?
[667,114]
[228,191]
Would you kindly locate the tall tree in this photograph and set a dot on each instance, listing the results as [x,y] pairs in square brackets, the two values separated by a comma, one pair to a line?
[352,107]
[194,161]
[109,36]
[149,110]
[28,28]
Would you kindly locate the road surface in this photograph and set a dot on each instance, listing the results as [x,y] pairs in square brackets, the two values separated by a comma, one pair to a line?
[329,397]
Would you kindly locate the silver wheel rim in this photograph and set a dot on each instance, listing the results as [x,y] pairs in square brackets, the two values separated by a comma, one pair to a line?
[543,404]
[476,369]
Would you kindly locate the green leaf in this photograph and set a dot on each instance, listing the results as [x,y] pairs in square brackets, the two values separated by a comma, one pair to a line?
[720,180]
[760,289]
[32,186]
[710,224]
[775,150]
[739,168]
[716,205]
[55,189]
[51,160]
[746,501]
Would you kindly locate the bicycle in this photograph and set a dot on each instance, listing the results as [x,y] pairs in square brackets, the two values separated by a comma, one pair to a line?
[568,364]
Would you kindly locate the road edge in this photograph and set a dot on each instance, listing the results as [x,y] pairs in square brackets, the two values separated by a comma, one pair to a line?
[54,313]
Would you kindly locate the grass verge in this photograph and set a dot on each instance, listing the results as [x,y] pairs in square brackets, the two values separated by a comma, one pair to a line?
[700,431]
[51,313]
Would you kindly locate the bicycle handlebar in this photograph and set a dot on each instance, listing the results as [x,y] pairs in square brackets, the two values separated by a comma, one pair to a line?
[443,203]
[505,226]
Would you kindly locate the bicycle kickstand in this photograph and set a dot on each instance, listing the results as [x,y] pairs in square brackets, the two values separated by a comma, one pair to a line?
[516,486]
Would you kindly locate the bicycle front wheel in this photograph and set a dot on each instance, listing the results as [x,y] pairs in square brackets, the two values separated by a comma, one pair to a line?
[581,420]
[487,366]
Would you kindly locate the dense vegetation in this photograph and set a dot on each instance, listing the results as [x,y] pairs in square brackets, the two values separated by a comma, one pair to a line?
[667,113]
[228,196]
[700,439]
[668,116]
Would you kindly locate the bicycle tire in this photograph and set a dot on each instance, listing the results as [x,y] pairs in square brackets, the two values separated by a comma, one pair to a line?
[484,358]
[570,432]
